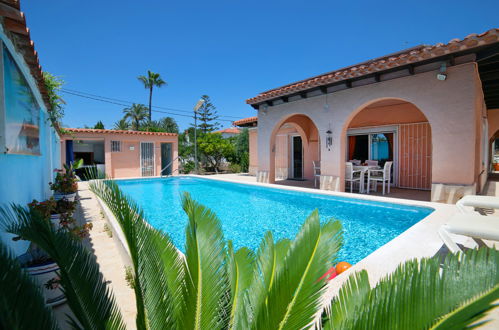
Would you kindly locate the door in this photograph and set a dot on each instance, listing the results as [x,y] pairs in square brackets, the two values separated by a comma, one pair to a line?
[147,158]
[166,159]
[415,156]
[297,153]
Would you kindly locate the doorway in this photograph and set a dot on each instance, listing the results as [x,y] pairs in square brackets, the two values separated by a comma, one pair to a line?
[147,158]
[166,159]
[297,157]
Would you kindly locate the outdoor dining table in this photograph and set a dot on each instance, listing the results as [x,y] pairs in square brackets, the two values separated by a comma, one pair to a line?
[363,169]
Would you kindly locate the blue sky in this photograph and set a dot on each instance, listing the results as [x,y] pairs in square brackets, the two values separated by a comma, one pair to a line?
[230,50]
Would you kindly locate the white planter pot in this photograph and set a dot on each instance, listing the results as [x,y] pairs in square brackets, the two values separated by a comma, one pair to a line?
[68,197]
[55,220]
[46,276]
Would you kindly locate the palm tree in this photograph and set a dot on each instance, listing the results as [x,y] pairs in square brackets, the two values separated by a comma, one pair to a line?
[152,79]
[137,113]
[169,124]
[122,124]
[214,286]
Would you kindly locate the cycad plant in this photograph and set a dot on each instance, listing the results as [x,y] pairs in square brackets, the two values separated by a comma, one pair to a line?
[212,286]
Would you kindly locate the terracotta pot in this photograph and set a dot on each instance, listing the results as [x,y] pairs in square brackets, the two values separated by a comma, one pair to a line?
[46,276]
[496,166]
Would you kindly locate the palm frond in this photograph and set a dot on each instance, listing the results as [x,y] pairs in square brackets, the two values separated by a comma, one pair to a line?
[240,272]
[295,297]
[470,312]
[419,293]
[205,257]
[21,295]
[159,267]
[86,290]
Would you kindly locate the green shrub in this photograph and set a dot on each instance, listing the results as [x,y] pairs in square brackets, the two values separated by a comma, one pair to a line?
[235,168]
[187,167]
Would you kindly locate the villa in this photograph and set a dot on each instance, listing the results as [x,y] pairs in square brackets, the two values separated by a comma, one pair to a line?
[431,110]
[147,248]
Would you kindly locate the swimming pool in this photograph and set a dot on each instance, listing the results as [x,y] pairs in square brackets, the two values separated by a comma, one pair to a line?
[248,211]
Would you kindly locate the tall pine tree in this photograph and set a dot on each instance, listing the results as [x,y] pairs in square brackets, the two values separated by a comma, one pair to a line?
[207,116]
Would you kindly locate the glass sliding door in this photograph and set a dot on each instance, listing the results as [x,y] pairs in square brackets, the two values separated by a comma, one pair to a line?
[381,147]
[374,144]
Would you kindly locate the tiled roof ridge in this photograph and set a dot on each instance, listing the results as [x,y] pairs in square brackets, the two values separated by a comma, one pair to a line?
[112,131]
[245,121]
[412,55]
[229,130]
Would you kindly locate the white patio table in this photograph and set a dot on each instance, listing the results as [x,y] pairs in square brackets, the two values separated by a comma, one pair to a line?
[363,170]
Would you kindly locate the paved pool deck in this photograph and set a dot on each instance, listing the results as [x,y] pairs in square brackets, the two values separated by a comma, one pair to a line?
[421,240]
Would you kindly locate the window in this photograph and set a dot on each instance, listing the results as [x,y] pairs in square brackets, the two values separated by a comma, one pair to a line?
[115,146]
[22,112]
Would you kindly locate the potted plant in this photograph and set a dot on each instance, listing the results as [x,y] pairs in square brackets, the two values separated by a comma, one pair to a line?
[65,184]
[45,272]
[38,263]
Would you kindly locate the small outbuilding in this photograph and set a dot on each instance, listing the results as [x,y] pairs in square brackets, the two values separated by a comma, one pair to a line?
[122,154]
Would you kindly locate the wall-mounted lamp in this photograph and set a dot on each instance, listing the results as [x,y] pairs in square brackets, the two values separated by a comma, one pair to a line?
[442,75]
[329,139]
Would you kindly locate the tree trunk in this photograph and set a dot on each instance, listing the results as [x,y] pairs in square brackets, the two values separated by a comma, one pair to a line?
[150,102]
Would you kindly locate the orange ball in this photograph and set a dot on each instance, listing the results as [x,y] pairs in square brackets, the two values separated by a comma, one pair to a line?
[342,266]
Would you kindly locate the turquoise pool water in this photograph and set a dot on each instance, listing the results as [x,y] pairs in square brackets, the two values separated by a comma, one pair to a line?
[248,211]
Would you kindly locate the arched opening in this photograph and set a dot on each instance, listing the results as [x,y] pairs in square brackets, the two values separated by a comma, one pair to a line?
[396,131]
[294,148]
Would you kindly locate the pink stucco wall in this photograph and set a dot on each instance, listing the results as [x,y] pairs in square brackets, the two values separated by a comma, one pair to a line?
[253,150]
[450,106]
[126,164]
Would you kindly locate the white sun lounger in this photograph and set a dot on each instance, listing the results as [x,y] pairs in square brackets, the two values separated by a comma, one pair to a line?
[487,202]
[471,225]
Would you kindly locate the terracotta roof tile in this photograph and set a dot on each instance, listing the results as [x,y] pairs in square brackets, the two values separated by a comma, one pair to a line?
[232,130]
[14,23]
[112,131]
[413,55]
[245,121]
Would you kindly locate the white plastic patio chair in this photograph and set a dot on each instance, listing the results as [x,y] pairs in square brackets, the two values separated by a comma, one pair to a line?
[372,162]
[471,225]
[355,161]
[380,175]
[472,201]
[353,176]
[317,171]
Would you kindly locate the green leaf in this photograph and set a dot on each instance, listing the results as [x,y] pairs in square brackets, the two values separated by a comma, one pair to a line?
[208,284]
[21,295]
[240,272]
[160,270]
[420,293]
[469,312]
[295,297]
[86,290]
